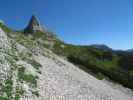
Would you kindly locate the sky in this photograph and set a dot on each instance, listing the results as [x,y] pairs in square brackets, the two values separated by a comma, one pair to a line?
[80,22]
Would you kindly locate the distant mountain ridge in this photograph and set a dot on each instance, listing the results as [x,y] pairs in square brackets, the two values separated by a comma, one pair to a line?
[130,50]
[102,47]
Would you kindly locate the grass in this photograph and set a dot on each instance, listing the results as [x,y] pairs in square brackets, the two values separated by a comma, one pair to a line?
[35,93]
[27,77]
[5,28]
[34,64]
[24,40]
[7,88]
[38,35]
[19,93]
[3,98]
[100,76]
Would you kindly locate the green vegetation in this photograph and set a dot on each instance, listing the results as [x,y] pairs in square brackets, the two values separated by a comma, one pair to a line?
[19,93]
[100,63]
[3,98]
[12,56]
[34,64]
[38,35]
[5,28]
[24,40]
[7,88]
[35,93]
[27,77]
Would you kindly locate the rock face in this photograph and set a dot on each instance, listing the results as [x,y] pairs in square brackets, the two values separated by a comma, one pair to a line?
[4,44]
[4,64]
[34,26]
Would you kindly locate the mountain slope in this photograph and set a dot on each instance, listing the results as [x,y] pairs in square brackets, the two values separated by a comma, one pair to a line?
[110,64]
[36,73]
[18,70]
[62,80]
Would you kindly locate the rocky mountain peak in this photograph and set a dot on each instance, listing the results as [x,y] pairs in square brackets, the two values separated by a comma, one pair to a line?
[34,25]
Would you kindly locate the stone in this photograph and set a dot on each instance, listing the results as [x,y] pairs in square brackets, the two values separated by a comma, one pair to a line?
[34,26]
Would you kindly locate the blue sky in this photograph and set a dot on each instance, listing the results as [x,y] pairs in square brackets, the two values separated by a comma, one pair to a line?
[82,22]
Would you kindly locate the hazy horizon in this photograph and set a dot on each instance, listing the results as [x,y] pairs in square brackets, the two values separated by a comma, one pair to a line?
[80,22]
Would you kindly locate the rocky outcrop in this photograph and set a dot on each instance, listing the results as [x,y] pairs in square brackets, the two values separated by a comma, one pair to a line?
[34,26]
[4,64]
[4,47]
[16,74]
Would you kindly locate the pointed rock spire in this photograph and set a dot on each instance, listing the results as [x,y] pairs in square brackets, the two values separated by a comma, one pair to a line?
[34,26]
